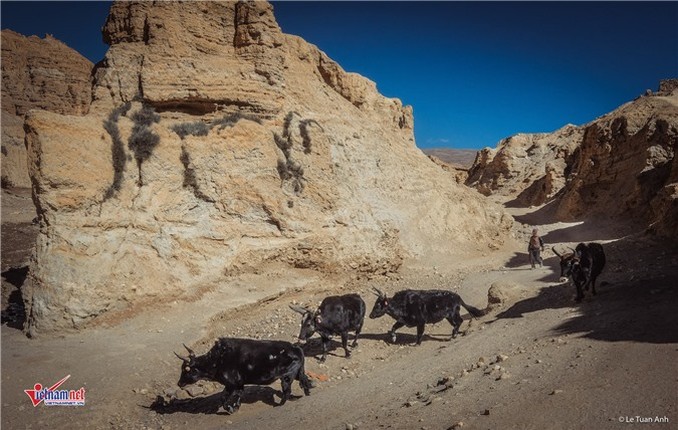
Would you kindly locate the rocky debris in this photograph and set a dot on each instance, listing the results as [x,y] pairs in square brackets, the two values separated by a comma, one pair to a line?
[37,74]
[502,293]
[216,146]
[667,87]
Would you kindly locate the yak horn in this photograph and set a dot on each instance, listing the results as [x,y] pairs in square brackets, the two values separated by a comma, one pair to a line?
[299,309]
[190,351]
[378,292]
[181,358]
[556,252]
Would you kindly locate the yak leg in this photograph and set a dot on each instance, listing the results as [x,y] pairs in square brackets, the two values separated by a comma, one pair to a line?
[286,382]
[303,380]
[392,333]
[593,286]
[580,293]
[420,333]
[231,398]
[325,342]
[344,343]
[355,340]
[456,320]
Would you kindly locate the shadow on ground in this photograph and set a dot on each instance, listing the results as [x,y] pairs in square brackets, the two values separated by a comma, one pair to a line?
[637,295]
[313,348]
[211,404]
[13,312]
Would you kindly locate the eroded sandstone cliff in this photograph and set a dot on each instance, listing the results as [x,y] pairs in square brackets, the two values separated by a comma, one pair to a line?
[216,144]
[37,74]
[620,166]
[626,168]
[529,167]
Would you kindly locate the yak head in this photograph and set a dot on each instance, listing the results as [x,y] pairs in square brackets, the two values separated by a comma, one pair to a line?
[567,260]
[190,373]
[380,306]
[309,321]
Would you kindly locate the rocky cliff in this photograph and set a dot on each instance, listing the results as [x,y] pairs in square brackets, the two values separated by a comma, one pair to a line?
[37,74]
[626,168]
[529,167]
[621,165]
[215,145]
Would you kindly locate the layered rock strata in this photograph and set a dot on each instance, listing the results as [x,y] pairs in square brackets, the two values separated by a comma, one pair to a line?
[215,145]
[37,74]
[620,166]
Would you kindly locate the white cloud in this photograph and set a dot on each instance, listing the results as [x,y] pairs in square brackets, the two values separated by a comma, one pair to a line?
[437,141]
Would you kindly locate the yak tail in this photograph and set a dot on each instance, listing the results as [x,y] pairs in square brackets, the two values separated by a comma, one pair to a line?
[475,312]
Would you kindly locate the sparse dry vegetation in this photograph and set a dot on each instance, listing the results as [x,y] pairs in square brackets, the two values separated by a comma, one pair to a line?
[117,148]
[197,128]
[190,179]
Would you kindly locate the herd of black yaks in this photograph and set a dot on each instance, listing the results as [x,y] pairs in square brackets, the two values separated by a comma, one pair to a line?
[235,362]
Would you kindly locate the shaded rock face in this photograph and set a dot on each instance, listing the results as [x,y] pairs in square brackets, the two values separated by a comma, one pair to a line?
[529,167]
[37,74]
[217,145]
[626,168]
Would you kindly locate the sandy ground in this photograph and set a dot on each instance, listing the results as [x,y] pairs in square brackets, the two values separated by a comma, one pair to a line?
[540,361]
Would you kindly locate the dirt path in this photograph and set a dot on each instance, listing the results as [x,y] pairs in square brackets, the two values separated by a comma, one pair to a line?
[561,365]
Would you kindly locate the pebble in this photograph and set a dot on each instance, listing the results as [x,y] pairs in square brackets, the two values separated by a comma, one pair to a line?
[446,381]
[486,412]
[501,357]
[456,426]
[554,392]
[504,375]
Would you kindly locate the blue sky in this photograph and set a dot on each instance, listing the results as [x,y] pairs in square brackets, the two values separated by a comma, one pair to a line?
[475,72]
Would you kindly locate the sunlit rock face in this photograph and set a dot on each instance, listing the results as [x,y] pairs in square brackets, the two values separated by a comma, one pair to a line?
[217,145]
[625,167]
[528,167]
[37,74]
[621,166]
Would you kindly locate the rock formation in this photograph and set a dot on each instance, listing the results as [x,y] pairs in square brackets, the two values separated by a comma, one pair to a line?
[621,165]
[626,166]
[529,167]
[37,74]
[215,145]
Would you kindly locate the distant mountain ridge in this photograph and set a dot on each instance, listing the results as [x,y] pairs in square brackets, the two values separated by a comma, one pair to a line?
[459,158]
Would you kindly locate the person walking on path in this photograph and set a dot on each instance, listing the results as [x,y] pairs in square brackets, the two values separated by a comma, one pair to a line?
[534,248]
